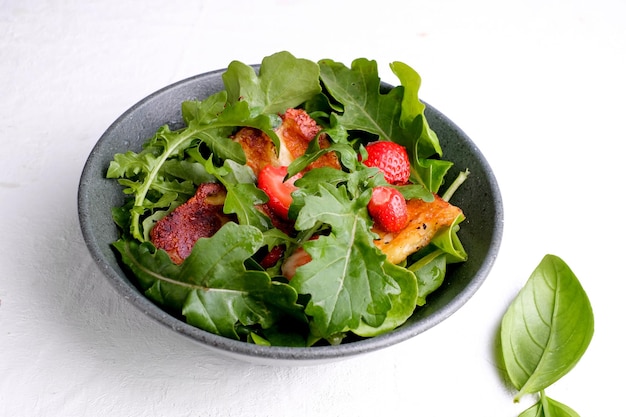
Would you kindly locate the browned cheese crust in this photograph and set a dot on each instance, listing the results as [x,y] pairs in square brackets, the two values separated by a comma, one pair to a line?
[258,147]
[425,220]
[297,130]
[200,216]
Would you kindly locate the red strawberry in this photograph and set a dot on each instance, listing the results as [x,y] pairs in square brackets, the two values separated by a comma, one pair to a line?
[392,160]
[271,182]
[388,209]
[273,256]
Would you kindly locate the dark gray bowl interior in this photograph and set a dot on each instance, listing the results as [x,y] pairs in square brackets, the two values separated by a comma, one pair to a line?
[479,197]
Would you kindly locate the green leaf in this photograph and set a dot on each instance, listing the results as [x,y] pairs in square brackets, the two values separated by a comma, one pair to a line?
[242,196]
[430,172]
[213,121]
[548,407]
[212,287]
[192,172]
[345,152]
[402,302]
[394,116]
[547,327]
[413,108]
[283,82]
[237,115]
[346,277]
[412,191]
[154,272]
[204,111]
[430,271]
[365,108]
[141,172]
[448,241]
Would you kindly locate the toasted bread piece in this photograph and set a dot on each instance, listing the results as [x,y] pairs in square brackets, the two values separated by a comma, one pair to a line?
[425,220]
[200,216]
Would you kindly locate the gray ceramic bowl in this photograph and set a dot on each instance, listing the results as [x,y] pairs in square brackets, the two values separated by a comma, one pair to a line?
[481,233]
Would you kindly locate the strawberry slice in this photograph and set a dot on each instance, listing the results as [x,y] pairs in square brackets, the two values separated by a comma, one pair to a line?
[271,181]
[391,158]
[273,256]
[388,209]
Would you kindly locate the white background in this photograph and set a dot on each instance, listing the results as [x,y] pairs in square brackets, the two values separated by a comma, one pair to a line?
[539,85]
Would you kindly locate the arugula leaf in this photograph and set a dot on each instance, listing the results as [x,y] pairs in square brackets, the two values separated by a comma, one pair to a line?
[346,278]
[430,172]
[394,116]
[242,197]
[544,333]
[240,114]
[154,271]
[283,82]
[412,191]
[203,111]
[143,171]
[192,172]
[358,90]
[212,287]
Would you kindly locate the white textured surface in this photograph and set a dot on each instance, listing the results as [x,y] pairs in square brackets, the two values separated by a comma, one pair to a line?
[539,86]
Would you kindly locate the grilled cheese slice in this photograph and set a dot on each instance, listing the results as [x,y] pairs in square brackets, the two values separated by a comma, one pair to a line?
[296,131]
[426,219]
[200,216]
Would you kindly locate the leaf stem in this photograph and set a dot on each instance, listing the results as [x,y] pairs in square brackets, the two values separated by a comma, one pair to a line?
[543,398]
[460,179]
[140,196]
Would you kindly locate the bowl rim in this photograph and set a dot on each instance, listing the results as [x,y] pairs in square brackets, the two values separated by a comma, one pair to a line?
[278,354]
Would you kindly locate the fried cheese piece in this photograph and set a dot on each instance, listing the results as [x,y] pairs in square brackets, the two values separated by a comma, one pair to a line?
[425,220]
[296,131]
[200,216]
[258,147]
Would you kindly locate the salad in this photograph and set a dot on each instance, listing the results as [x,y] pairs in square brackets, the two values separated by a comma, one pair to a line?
[302,205]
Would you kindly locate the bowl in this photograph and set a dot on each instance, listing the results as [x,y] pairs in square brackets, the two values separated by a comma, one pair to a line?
[481,233]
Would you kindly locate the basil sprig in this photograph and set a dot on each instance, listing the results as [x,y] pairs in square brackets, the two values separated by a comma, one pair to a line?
[544,333]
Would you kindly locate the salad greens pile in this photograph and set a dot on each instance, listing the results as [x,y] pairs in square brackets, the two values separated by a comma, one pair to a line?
[348,290]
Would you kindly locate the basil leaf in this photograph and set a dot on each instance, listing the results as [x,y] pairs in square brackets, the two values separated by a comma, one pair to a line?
[548,407]
[547,327]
